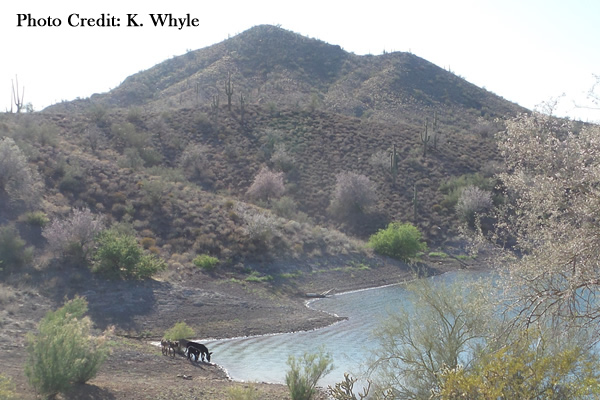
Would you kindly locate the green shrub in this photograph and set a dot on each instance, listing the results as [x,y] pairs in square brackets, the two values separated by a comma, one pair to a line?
[180,330]
[246,393]
[452,189]
[119,255]
[35,218]
[13,252]
[7,389]
[63,352]
[399,241]
[205,261]
[305,372]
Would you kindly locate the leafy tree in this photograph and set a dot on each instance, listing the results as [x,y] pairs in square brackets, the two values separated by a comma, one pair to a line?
[305,372]
[180,330]
[63,352]
[550,216]
[17,180]
[13,251]
[472,202]
[119,255]
[75,234]
[267,185]
[353,193]
[400,241]
[441,327]
[534,366]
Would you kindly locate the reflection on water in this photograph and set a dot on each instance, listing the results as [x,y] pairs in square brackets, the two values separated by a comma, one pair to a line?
[263,358]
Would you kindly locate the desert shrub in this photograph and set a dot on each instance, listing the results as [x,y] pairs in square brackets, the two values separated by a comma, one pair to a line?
[471,202]
[353,193]
[282,159]
[150,156]
[119,255]
[305,372]
[75,234]
[7,388]
[148,242]
[17,180]
[195,164]
[453,187]
[180,330]
[73,180]
[13,252]
[266,185]
[244,393]
[285,207]
[63,352]
[399,241]
[259,226]
[205,261]
[35,218]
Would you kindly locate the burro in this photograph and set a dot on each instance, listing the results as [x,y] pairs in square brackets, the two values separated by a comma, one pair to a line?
[105,20]
[30,21]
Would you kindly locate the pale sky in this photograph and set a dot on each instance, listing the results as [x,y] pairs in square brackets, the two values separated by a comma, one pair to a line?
[527,51]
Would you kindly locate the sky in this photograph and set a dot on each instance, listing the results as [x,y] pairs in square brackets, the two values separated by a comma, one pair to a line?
[531,52]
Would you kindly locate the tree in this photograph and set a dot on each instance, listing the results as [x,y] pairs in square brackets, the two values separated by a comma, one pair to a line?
[473,201]
[537,364]
[399,241]
[63,352]
[180,330]
[17,180]
[551,218]
[442,327]
[267,185]
[119,255]
[305,372]
[75,234]
[353,193]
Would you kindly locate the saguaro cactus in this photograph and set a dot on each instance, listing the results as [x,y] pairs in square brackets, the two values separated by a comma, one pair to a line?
[425,137]
[394,164]
[229,91]
[17,99]
[434,128]
[215,108]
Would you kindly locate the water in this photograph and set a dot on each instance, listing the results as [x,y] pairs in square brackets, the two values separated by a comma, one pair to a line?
[264,358]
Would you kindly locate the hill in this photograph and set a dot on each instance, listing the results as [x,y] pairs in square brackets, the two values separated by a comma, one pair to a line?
[169,156]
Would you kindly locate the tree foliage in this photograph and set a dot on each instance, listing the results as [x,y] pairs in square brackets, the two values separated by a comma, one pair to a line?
[63,352]
[180,330]
[399,241]
[534,365]
[120,256]
[441,327]
[551,217]
[473,201]
[267,185]
[305,372]
[75,234]
[17,180]
[353,193]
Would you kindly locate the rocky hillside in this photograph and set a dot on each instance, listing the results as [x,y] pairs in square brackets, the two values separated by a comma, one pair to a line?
[265,98]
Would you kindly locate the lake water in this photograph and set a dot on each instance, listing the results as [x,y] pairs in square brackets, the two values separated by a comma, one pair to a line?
[264,358]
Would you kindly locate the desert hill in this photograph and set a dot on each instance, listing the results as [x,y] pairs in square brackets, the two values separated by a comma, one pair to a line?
[327,110]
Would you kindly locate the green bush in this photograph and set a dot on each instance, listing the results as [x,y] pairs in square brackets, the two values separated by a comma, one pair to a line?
[119,255]
[13,252]
[399,241]
[180,330]
[205,261]
[245,393]
[7,388]
[35,218]
[63,352]
[305,372]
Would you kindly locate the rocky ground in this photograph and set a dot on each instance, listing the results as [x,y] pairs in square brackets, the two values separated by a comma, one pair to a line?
[215,306]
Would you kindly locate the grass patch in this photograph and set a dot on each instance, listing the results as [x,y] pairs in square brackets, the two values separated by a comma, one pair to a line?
[438,254]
